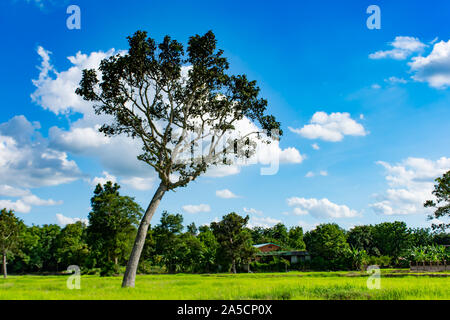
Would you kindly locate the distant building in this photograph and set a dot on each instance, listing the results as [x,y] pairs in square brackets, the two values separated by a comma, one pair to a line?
[267,247]
[272,250]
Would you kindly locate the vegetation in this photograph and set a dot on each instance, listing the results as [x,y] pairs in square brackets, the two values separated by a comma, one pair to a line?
[10,227]
[175,102]
[395,284]
[103,246]
[442,204]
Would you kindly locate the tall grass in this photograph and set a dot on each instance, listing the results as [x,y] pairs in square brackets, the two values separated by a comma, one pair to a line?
[311,285]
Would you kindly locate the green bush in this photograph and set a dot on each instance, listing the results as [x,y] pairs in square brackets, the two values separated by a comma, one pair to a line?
[276,265]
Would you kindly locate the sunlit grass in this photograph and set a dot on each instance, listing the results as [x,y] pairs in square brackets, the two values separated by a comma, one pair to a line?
[292,285]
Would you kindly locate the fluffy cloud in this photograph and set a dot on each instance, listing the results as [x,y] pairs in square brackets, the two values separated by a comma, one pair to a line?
[331,127]
[265,222]
[25,199]
[190,208]
[102,180]
[226,194]
[307,226]
[434,68]
[410,184]
[315,146]
[311,174]
[139,183]
[320,208]
[27,160]
[252,211]
[395,80]
[63,220]
[55,91]
[403,47]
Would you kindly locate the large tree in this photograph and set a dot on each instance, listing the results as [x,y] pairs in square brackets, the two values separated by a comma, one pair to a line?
[176,103]
[442,204]
[10,229]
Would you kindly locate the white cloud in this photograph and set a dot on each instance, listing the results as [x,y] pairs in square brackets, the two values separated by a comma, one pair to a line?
[320,208]
[395,80]
[102,180]
[55,91]
[27,160]
[265,222]
[434,68]
[25,202]
[36,201]
[226,194]
[307,226]
[252,211]
[63,220]
[315,146]
[331,127]
[403,47]
[139,183]
[196,208]
[17,206]
[410,184]
[8,191]
[375,86]
[309,174]
[300,212]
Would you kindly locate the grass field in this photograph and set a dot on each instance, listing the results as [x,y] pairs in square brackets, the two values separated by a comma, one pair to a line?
[292,285]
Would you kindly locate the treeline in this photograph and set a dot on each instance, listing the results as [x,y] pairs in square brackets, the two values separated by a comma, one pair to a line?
[103,246]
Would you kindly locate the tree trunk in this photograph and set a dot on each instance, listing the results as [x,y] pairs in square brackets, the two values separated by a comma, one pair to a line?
[234,265]
[5,273]
[132,265]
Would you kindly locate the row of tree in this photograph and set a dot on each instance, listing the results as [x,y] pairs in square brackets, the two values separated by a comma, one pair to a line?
[104,245]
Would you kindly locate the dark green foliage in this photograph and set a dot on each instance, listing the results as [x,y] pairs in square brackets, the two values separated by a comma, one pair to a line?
[421,237]
[327,245]
[71,246]
[210,248]
[442,204]
[391,238]
[235,242]
[361,238]
[295,239]
[112,224]
[276,264]
[10,231]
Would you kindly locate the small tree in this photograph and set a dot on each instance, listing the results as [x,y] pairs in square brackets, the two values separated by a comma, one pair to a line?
[10,229]
[295,238]
[176,103]
[327,245]
[442,193]
[112,223]
[234,239]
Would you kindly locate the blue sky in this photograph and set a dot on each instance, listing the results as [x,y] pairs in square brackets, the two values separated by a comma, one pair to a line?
[365,112]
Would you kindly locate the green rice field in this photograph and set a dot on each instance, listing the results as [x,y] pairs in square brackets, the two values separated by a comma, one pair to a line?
[394,285]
